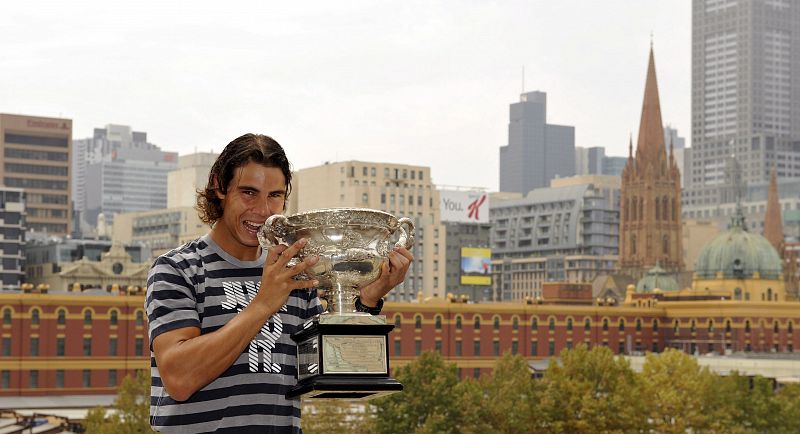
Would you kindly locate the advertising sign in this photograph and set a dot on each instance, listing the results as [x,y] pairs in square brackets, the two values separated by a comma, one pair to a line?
[464,206]
[476,266]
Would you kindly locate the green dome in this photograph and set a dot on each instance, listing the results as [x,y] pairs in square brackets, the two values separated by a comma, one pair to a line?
[738,254]
[657,277]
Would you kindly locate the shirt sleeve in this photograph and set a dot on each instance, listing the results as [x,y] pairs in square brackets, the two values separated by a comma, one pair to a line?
[171,301]
[314,306]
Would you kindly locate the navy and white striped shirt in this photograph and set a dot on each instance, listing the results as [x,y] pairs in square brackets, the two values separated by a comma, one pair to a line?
[200,285]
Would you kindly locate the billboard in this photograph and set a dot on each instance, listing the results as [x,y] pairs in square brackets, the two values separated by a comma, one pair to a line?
[464,206]
[476,266]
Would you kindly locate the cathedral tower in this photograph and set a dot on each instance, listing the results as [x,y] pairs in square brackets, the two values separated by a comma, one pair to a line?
[650,217]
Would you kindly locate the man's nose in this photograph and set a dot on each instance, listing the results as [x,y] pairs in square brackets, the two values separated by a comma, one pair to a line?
[262,207]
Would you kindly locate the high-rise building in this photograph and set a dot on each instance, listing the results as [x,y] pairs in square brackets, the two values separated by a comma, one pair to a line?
[36,155]
[650,222]
[120,171]
[589,161]
[399,189]
[745,95]
[12,237]
[537,151]
[190,175]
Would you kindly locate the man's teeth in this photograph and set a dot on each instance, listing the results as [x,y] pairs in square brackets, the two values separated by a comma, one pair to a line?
[252,225]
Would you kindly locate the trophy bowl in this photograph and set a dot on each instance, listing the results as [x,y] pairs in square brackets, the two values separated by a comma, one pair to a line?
[351,244]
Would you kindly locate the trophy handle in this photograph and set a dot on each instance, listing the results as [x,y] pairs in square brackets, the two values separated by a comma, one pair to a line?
[406,236]
[273,228]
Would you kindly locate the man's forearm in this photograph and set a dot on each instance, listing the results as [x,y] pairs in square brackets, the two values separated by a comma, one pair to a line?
[188,361]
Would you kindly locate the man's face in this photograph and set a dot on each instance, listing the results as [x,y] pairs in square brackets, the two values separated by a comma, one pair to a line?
[255,193]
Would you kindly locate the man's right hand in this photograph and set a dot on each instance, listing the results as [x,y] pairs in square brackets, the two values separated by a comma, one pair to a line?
[277,280]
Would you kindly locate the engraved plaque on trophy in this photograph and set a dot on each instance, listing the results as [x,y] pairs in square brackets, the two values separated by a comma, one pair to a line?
[342,353]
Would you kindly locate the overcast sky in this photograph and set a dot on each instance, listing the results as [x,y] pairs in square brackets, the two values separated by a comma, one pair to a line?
[416,82]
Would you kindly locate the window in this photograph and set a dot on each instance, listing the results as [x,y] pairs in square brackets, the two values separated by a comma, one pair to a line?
[87,378]
[476,349]
[496,323]
[693,326]
[514,347]
[6,379]
[638,325]
[60,378]
[87,317]
[605,324]
[775,327]
[87,346]
[417,347]
[655,325]
[438,322]
[7,316]
[551,348]
[622,325]
[35,317]
[34,346]
[397,321]
[728,326]
[397,346]
[587,325]
[458,323]
[62,317]
[621,348]
[418,322]
[113,318]
[534,348]
[112,346]
[551,324]
[476,372]
[496,347]
[534,324]
[458,348]
[515,323]
[438,346]
[477,324]
[112,377]
[34,379]
[60,346]
[569,324]
[747,326]
[710,325]
[139,346]
[6,346]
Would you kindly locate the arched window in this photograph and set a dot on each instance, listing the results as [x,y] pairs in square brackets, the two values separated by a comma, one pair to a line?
[569,324]
[747,326]
[605,324]
[496,323]
[790,327]
[638,325]
[35,316]
[87,317]
[418,322]
[769,294]
[775,327]
[551,324]
[7,316]
[458,322]
[398,320]
[622,325]
[693,326]
[633,244]
[728,326]
[587,324]
[112,318]
[515,323]
[737,294]
[61,317]
[438,322]
[655,325]
[676,327]
[139,318]
[477,324]
[710,325]
[534,323]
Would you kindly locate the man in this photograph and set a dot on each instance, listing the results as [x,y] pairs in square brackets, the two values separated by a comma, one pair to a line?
[221,311]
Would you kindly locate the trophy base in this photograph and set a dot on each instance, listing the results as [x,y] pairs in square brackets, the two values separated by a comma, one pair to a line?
[344,357]
[345,387]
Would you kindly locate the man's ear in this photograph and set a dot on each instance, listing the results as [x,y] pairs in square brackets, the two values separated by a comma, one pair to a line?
[218,191]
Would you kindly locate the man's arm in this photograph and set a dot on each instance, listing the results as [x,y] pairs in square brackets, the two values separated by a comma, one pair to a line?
[393,272]
[187,360]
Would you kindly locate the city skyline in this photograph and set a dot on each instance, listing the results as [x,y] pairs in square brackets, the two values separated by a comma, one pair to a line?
[413,85]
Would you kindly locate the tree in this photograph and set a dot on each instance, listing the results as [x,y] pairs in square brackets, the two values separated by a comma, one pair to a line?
[510,395]
[427,402]
[336,416]
[788,401]
[590,391]
[132,405]
[678,393]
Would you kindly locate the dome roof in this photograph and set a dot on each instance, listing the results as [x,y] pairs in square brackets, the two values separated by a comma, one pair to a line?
[657,278]
[738,254]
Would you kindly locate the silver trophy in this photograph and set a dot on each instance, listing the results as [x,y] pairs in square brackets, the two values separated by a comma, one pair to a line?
[342,353]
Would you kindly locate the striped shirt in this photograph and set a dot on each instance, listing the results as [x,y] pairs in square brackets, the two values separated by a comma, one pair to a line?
[200,285]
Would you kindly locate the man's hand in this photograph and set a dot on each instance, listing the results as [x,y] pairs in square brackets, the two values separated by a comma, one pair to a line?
[393,272]
[277,281]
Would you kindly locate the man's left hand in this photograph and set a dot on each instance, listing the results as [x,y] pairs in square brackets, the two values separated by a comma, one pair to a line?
[393,272]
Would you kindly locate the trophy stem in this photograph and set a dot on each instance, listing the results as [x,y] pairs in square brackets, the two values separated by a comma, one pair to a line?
[341,300]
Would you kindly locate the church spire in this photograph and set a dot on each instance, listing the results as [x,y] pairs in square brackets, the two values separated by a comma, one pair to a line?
[773,222]
[651,131]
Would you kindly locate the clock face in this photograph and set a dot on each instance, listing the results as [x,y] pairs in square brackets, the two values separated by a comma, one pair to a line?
[116,268]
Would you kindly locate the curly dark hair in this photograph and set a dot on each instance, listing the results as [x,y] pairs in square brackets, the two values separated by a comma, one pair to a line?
[256,148]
